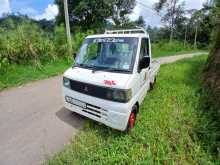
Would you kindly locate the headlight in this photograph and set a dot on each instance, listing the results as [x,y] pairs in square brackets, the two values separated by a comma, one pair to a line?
[66,82]
[119,95]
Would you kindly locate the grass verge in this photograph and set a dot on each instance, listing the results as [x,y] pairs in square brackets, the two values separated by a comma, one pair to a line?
[165,53]
[19,74]
[165,48]
[166,129]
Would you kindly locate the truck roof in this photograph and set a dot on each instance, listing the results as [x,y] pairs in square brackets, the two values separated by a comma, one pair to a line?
[140,32]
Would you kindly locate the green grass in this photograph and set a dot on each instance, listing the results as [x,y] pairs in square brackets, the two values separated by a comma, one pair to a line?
[164,53]
[165,48]
[20,74]
[166,131]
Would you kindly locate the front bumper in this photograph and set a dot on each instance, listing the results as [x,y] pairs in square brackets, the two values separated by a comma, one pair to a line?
[112,114]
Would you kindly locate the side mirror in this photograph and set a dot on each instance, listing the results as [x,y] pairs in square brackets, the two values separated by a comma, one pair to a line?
[144,63]
[74,56]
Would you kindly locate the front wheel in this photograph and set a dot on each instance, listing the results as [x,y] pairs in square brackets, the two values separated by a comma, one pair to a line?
[132,119]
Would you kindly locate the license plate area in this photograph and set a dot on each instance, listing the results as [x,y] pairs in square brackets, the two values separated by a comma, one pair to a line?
[75,102]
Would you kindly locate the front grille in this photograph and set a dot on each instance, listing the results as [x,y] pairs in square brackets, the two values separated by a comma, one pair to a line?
[89,89]
[88,108]
[96,111]
[84,110]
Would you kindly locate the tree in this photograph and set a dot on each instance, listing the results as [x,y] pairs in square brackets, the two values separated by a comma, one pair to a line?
[92,14]
[185,33]
[12,21]
[140,22]
[154,33]
[128,24]
[173,13]
[195,21]
[186,25]
[212,70]
[200,27]
[121,8]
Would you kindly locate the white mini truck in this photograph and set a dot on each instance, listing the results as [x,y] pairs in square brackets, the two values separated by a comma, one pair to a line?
[110,78]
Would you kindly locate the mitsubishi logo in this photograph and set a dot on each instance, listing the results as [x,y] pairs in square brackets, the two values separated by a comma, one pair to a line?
[86,89]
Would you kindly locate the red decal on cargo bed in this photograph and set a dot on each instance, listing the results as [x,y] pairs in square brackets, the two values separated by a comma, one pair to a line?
[109,82]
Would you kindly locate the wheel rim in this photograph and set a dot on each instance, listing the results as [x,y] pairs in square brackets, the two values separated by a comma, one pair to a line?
[132,120]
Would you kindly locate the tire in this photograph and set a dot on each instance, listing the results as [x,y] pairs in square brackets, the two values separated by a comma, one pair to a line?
[152,84]
[132,119]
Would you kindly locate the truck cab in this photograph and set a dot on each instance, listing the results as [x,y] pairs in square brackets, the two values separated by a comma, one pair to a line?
[110,78]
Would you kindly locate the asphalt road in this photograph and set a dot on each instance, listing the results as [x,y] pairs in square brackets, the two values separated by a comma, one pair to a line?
[33,123]
[171,59]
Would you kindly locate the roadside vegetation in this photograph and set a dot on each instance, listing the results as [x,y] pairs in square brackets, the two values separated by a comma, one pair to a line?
[165,48]
[27,43]
[28,52]
[20,74]
[170,130]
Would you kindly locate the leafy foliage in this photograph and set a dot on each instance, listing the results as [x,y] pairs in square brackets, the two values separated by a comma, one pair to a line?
[12,21]
[92,14]
[173,14]
[120,9]
[181,27]
[27,43]
[140,22]
[128,24]
[165,48]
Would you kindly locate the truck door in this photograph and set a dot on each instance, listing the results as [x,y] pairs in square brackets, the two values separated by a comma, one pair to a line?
[144,64]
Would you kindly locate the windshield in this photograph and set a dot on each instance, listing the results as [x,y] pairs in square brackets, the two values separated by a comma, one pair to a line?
[108,53]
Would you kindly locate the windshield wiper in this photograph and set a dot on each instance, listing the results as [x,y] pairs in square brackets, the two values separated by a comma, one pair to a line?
[83,65]
[96,69]
[109,69]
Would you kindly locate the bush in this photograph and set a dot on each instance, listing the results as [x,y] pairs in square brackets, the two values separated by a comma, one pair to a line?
[26,44]
[59,40]
[78,39]
[164,47]
[29,44]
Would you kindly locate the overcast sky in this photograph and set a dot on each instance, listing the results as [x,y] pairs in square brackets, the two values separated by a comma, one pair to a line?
[145,8]
[39,9]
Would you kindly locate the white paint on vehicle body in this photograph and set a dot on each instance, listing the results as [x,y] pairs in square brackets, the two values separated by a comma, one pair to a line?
[113,114]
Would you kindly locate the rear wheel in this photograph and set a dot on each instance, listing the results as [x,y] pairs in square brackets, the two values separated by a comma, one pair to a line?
[152,84]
